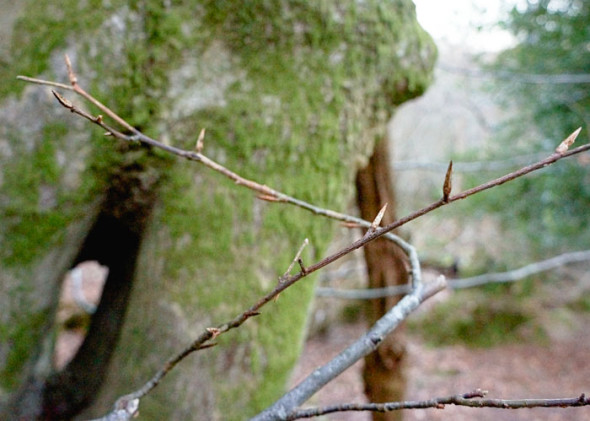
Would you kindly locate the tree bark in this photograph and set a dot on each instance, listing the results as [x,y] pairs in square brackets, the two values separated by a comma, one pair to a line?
[384,372]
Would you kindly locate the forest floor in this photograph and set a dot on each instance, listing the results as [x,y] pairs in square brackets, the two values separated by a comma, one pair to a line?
[558,369]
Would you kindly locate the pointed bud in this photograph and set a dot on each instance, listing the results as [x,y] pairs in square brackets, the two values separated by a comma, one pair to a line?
[569,141]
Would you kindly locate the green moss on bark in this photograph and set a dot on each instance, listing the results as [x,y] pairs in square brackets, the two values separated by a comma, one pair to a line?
[300,94]
[24,338]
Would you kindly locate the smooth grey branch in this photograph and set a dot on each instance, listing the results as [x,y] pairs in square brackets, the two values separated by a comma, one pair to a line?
[366,344]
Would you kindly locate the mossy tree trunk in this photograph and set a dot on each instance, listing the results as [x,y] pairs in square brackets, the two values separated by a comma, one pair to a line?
[384,371]
[292,94]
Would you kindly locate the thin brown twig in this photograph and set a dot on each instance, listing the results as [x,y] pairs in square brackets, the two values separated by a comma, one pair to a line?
[457,283]
[264,192]
[472,400]
[296,259]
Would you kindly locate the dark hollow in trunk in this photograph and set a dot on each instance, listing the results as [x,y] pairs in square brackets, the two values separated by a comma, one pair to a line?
[114,241]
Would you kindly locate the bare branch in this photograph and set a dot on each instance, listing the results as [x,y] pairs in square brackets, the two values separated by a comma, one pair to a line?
[45,82]
[125,410]
[266,193]
[475,281]
[523,272]
[359,349]
[472,399]
[551,159]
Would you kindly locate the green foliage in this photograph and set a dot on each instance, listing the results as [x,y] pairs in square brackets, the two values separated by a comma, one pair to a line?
[550,207]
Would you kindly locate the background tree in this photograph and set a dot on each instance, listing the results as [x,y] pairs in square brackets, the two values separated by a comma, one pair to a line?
[546,74]
[384,372]
[293,90]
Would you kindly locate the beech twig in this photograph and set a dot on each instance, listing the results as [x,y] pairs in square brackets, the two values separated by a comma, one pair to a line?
[366,344]
[472,399]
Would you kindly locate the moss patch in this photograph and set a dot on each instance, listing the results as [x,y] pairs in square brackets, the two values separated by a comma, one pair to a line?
[24,339]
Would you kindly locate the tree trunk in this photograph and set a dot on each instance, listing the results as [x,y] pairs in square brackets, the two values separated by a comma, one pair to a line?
[384,371]
[290,96]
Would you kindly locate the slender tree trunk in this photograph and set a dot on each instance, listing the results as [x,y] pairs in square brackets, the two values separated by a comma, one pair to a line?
[383,375]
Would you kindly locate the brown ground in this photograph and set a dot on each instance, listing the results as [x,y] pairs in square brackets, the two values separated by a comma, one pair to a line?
[559,369]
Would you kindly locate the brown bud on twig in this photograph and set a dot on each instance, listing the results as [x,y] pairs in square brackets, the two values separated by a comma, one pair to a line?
[268,198]
[448,185]
[350,225]
[378,218]
[477,393]
[568,141]
[71,74]
[199,145]
[62,100]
